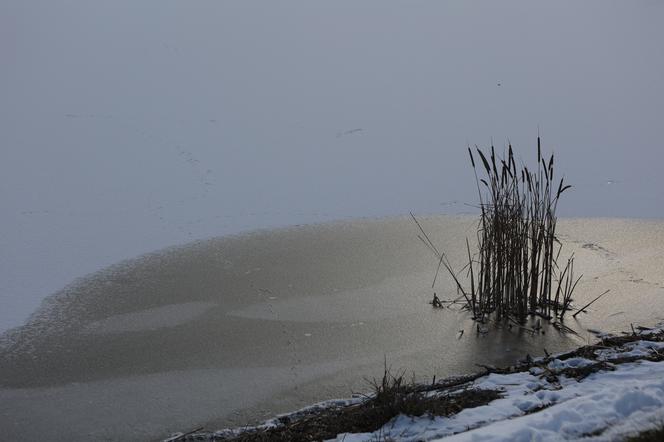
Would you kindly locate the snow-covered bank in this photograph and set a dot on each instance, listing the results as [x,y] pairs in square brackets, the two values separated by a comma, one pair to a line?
[604,406]
[602,392]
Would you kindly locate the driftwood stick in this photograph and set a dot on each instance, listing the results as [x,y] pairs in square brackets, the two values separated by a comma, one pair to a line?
[589,304]
[183,435]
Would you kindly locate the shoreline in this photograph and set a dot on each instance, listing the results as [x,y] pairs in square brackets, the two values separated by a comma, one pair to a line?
[611,354]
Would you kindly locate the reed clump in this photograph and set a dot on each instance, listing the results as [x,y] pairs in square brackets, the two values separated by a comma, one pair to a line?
[514,271]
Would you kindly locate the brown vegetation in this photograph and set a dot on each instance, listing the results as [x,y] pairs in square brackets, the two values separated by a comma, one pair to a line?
[514,271]
[391,396]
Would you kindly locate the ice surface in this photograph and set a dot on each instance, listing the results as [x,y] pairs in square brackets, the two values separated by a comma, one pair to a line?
[150,319]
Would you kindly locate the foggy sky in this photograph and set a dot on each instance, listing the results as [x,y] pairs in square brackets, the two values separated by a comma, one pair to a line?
[129,126]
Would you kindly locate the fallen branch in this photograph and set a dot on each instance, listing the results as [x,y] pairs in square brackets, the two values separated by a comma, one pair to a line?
[589,304]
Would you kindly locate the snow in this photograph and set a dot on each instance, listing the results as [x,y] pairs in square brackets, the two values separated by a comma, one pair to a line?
[632,349]
[606,405]
[574,409]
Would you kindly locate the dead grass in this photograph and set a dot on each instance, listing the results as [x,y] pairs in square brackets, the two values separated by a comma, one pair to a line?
[391,396]
[654,435]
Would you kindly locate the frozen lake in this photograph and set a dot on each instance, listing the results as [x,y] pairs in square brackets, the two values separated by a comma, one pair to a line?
[126,128]
[136,137]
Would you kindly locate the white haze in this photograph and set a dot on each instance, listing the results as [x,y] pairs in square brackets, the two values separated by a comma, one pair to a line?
[128,126]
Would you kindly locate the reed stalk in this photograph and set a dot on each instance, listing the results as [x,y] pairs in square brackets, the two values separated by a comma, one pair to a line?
[514,272]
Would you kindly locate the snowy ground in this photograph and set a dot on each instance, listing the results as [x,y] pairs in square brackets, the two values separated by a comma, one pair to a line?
[604,406]
[554,399]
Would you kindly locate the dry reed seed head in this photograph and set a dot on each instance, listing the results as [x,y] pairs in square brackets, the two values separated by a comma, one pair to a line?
[484,161]
[560,187]
[493,161]
[472,160]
